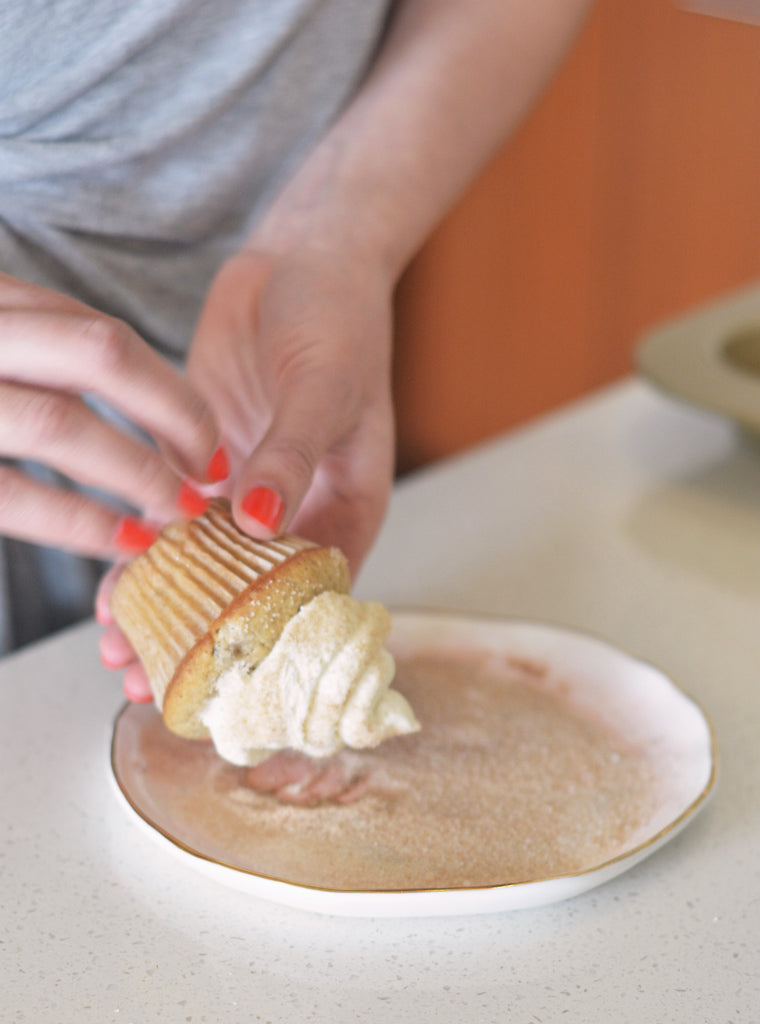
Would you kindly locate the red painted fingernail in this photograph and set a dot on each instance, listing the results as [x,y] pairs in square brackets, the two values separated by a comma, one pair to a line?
[265,506]
[133,535]
[190,502]
[219,467]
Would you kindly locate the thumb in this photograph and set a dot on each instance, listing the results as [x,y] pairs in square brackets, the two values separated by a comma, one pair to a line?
[274,480]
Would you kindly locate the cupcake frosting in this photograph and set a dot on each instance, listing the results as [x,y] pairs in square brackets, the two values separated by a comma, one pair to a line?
[325,685]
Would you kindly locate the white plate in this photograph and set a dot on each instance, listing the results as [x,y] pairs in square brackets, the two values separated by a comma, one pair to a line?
[598,683]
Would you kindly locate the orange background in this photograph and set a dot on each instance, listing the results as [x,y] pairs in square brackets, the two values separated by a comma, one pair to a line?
[631,193]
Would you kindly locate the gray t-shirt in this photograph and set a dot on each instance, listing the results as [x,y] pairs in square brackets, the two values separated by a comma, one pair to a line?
[140,140]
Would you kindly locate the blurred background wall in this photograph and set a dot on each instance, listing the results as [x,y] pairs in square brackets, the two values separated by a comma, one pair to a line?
[630,194]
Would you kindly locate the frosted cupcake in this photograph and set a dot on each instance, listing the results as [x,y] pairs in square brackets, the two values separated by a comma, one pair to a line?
[258,644]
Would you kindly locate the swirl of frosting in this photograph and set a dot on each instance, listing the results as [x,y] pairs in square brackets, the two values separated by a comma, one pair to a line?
[324,685]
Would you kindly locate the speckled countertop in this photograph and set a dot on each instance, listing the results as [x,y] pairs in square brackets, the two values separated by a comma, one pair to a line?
[626,515]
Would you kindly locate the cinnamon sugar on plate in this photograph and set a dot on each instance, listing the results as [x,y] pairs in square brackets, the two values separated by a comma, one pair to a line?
[508,781]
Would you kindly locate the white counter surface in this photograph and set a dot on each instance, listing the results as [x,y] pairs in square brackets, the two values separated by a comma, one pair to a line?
[626,515]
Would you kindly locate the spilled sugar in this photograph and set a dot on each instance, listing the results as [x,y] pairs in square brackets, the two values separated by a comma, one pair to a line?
[506,782]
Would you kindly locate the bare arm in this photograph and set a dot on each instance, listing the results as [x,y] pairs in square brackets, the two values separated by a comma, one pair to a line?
[451,83]
[315,434]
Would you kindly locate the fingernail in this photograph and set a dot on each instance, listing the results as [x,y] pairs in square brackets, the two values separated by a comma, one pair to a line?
[265,506]
[219,467]
[133,535]
[190,502]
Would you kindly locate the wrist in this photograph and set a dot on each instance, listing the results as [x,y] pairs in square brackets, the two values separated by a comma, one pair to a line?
[336,213]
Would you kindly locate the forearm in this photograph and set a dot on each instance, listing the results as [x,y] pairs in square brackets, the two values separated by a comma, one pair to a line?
[450,83]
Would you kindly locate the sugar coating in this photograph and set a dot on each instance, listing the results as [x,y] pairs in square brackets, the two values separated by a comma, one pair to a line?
[325,685]
[505,782]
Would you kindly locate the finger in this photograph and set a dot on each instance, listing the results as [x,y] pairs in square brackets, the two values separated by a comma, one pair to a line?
[103,594]
[335,514]
[18,294]
[136,685]
[271,484]
[59,430]
[76,351]
[115,650]
[349,495]
[36,512]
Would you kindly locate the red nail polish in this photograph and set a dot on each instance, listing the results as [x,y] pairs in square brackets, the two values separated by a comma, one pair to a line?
[190,502]
[265,506]
[219,467]
[133,536]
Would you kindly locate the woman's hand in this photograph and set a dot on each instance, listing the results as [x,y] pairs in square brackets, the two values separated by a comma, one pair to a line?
[54,351]
[293,354]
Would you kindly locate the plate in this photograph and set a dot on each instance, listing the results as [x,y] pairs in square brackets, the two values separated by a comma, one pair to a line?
[548,763]
[711,358]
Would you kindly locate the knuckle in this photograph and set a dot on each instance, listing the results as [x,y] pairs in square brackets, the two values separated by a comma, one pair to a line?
[297,459]
[153,478]
[82,521]
[81,524]
[48,418]
[108,344]
[60,517]
[194,417]
[199,415]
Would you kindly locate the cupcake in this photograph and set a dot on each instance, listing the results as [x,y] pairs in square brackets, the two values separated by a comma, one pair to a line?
[258,644]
